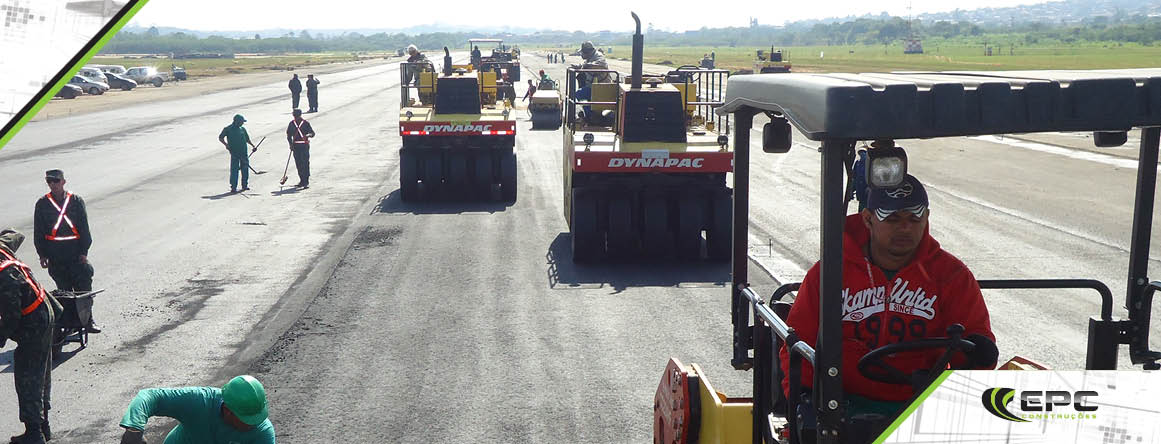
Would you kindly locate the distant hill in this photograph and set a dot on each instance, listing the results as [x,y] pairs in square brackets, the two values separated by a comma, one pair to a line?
[326,33]
[1066,12]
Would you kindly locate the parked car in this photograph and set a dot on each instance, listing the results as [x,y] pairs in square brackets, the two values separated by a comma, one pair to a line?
[89,85]
[115,69]
[119,81]
[92,73]
[145,74]
[70,91]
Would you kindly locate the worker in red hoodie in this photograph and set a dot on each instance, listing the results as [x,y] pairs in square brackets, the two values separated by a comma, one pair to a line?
[899,285]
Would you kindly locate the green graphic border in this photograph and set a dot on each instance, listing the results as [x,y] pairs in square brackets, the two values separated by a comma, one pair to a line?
[911,408]
[64,75]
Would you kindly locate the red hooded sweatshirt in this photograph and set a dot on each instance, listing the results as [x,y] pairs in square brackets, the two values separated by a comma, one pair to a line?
[930,293]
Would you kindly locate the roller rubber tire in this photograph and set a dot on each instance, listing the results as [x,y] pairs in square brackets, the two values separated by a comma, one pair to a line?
[690,215]
[719,236]
[657,238]
[508,177]
[587,242]
[621,240]
[408,176]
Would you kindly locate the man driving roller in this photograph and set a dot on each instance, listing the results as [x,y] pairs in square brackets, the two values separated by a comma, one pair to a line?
[899,286]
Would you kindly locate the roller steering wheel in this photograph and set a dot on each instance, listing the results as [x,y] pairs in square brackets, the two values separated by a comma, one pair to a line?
[874,368]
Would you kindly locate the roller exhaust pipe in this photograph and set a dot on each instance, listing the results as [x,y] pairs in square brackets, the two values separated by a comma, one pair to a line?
[447,62]
[638,49]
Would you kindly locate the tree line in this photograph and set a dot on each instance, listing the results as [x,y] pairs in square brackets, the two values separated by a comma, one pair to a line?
[864,31]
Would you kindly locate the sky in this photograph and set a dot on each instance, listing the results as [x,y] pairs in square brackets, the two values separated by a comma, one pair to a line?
[674,15]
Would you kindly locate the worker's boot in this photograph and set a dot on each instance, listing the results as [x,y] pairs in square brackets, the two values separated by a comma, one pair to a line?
[32,435]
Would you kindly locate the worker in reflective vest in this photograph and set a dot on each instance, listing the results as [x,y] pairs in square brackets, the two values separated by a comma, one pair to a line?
[298,134]
[26,317]
[62,238]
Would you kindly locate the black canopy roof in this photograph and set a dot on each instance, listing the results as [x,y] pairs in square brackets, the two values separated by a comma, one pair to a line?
[936,104]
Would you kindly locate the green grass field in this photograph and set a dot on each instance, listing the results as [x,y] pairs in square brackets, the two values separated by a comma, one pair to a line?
[936,57]
[197,68]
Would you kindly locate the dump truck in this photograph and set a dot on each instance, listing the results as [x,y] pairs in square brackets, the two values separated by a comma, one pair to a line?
[459,139]
[645,163]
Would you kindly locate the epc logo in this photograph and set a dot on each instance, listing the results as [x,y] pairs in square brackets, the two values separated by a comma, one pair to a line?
[1034,404]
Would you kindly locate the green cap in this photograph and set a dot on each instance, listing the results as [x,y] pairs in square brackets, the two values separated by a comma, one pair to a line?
[245,397]
[238,118]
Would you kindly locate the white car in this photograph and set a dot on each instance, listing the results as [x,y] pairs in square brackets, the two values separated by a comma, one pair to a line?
[146,74]
[90,86]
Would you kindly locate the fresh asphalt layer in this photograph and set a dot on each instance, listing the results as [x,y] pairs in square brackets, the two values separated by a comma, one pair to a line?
[374,320]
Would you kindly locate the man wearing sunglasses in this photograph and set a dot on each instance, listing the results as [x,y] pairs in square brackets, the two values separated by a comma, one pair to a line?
[62,238]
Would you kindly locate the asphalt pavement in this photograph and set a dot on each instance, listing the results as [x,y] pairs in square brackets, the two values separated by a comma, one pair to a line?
[374,320]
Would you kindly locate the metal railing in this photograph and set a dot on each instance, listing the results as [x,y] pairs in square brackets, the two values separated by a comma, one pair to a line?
[409,71]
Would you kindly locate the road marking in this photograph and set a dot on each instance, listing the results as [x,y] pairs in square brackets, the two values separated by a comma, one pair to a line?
[1106,159]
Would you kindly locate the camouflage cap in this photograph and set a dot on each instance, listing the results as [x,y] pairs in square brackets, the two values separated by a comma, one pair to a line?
[11,239]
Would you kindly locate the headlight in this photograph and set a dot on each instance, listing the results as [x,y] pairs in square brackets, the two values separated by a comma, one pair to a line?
[588,138]
[886,166]
[410,114]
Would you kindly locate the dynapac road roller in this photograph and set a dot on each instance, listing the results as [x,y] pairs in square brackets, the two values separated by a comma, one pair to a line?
[645,163]
[458,139]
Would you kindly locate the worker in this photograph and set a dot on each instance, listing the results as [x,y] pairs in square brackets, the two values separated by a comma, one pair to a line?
[235,138]
[900,286]
[298,134]
[531,92]
[26,316]
[312,93]
[62,239]
[593,59]
[414,56]
[295,91]
[476,57]
[235,413]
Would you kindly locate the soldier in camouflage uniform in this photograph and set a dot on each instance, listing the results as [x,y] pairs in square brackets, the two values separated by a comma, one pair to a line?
[26,316]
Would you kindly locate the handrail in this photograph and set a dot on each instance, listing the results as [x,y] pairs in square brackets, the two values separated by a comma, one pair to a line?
[776,323]
[1139,352]
[1041,284]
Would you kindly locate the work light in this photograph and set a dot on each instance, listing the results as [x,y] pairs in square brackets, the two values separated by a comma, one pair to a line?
[886,165]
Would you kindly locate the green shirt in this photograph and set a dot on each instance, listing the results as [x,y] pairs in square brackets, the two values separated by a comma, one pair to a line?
[236,139]
[198,409]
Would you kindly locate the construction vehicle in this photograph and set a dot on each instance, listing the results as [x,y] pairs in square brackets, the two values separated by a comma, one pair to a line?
[645,163]
[912,105]
[503,60]
[770,62]
[459,139]
[545,106]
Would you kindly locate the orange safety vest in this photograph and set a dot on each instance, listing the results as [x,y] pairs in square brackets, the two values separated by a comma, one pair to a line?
[62,217]
[9,261]
[301,137]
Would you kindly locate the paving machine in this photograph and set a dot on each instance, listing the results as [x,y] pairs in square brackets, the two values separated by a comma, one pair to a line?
[770,62]
[458,137]
[645,163]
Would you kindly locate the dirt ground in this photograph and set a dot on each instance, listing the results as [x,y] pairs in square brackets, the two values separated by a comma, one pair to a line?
[112,99]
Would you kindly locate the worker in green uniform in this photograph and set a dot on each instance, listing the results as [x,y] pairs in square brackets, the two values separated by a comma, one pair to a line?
[235,138]
[233,414]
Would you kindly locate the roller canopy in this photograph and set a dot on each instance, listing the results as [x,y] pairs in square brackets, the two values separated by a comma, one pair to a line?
[906,105]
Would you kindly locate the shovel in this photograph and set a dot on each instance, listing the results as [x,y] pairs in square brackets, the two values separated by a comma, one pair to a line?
[256,172]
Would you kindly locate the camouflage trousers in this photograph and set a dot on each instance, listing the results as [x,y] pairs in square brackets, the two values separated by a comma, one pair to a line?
[33,364]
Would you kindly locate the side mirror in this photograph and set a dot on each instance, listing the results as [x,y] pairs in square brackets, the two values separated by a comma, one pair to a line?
[1113,139]
[776,138]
